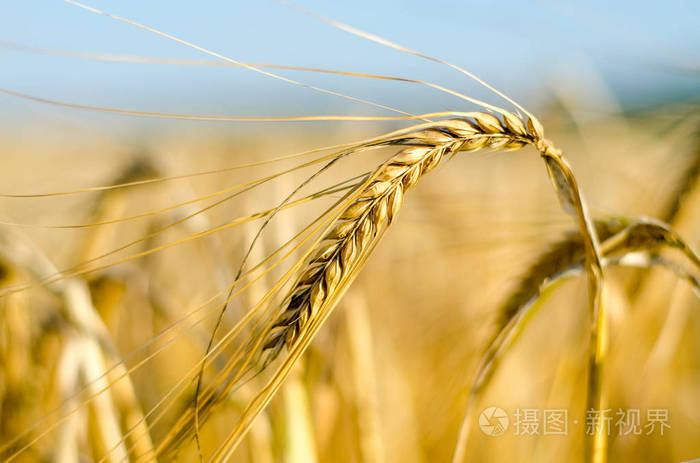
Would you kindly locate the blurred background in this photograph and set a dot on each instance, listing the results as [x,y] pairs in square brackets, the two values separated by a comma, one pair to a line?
[387,379]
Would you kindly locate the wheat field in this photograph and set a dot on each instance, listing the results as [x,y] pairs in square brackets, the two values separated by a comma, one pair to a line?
[361,266]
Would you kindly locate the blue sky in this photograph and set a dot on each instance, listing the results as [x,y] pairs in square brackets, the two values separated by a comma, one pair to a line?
[644,51]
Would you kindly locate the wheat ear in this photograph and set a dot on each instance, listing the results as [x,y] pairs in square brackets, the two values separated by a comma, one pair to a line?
[622,240]
[351,238]
[357,227]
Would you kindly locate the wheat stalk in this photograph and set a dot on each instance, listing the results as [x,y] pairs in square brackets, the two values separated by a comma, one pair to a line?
[359,336]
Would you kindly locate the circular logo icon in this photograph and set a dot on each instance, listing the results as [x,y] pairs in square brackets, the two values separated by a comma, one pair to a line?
[493,421]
